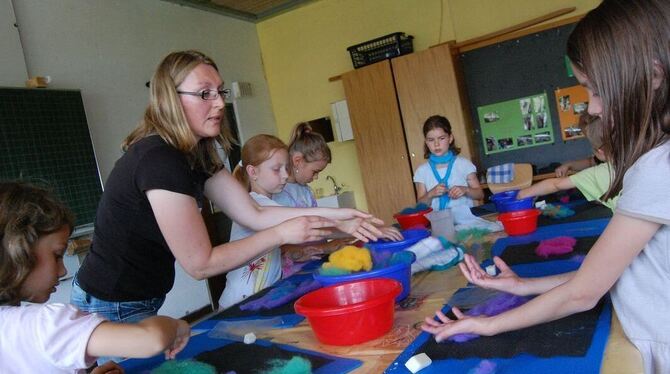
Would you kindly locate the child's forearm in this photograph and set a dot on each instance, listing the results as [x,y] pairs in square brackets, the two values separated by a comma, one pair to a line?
[475,193]
[544,187]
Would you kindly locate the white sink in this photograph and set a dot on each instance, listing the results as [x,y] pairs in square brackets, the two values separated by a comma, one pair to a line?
[343,200]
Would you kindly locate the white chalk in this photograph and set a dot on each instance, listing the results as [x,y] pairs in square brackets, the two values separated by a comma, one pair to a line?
[418,362]
[491,270]
[249,338]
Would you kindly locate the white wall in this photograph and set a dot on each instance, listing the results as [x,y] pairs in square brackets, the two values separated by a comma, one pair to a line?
[109,49]
[12,68]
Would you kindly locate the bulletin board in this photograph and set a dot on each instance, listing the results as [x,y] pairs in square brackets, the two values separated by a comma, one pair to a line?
[44,139]
[498,77]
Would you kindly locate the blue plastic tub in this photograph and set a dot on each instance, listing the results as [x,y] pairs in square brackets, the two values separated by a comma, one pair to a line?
[410,237]
[507,201]
[400,272]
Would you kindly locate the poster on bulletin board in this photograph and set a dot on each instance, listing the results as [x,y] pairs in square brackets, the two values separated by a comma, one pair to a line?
[571,103]
[514,124]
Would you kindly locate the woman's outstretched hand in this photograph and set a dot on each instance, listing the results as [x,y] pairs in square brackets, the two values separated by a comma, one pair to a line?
[444,327]
[304,229]
[506,281]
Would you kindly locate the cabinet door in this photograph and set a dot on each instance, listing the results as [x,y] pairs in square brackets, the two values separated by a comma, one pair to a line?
[427,83]
[379,138]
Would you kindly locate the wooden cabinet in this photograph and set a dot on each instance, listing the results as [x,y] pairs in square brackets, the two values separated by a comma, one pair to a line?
[388,103]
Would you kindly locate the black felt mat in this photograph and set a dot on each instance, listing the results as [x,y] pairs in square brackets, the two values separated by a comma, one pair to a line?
[583,212]
[525,253]
[252,358]
[569,336]
[235,311]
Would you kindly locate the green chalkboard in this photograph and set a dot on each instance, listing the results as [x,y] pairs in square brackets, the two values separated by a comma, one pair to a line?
[44,139]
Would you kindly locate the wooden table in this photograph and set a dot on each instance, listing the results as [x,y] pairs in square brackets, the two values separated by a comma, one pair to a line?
[435,288]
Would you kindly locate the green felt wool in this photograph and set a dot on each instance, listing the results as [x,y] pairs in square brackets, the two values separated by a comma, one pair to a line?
[184,367]
[296,365]
[333,271]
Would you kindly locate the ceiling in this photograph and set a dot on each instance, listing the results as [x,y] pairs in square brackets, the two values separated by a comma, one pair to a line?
[248,10]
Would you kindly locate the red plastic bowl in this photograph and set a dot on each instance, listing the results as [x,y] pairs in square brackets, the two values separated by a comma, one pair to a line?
[413,220]
[350,313]
[520,222]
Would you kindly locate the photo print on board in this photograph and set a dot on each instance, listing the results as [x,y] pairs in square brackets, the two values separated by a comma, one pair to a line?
[491,144]
[491,117]
[525,106]
[505,143]
[542,137]
[564,103]
[524,140]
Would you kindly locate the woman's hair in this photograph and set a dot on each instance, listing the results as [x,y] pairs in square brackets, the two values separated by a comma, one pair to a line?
[27,213]
[165,116]
[310,144]
[621,46]
[438,122]
[592,128]
[255,151]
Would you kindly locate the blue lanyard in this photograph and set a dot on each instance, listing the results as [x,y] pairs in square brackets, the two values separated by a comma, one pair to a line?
[433,160]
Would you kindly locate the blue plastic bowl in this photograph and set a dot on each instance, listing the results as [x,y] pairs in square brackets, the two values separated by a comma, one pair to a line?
[512,205]
[400,272]
[504,195]
[410,237]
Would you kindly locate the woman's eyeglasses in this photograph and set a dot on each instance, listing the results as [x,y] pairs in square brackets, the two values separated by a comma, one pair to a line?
[207,94]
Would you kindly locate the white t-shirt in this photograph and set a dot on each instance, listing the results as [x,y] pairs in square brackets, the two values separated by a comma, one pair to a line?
[45,338]
[296,195]
[641,296]
[458,177]
[256,275]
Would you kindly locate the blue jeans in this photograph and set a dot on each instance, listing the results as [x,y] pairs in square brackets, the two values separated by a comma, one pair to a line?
[115,311]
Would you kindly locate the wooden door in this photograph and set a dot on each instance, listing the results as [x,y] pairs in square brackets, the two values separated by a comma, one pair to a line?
[428,83]
[380,140]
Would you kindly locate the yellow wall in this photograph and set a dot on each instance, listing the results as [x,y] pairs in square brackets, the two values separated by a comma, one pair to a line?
[302,48]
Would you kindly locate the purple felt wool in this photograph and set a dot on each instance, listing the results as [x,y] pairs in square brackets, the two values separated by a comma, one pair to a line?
[492,307]
[555,246]
[281,295]
[484,367]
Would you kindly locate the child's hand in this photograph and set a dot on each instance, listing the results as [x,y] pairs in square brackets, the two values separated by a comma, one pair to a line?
[348,213]
[183,333]
[456,192]
[362,229]
[562,171]
[438,190]
[445,327]
[391,233]
[506,281]
[109,367]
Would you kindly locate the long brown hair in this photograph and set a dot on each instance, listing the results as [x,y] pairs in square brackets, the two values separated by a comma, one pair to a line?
[255,151]
[165,116]
[622,46]
[310,144]
[27,213]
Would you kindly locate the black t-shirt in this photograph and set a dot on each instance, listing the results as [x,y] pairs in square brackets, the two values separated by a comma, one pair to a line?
[129,259]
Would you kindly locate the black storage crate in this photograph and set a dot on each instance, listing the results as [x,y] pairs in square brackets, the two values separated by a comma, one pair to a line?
[388,46]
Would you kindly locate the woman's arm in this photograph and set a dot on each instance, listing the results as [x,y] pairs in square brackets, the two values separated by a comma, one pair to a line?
[138,340]
[229,195]
[186,235]
[546,187]
[622,240]
[577,165]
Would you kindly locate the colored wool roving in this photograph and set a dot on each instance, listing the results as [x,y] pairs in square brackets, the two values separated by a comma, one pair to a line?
[556,246]
[350,258]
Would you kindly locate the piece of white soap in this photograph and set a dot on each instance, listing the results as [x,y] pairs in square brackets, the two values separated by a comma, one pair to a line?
[491,270]
[249,338]
[418,362]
